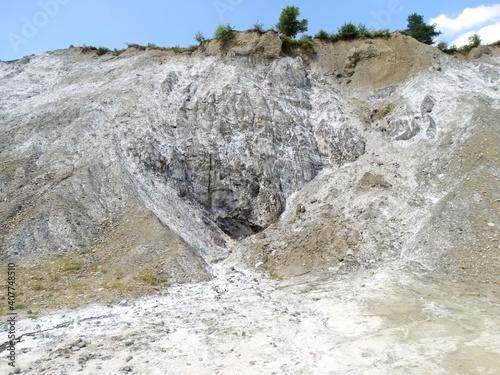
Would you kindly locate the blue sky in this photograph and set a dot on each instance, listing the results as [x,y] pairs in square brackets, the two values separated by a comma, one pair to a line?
[35,26]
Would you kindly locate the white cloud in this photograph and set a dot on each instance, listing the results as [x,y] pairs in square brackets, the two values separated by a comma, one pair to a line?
[489,34]
[468,19]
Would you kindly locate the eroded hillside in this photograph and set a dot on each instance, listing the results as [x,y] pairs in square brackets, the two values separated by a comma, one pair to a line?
[150,167]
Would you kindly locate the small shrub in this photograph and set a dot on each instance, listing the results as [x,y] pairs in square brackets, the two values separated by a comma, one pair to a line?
[86,49]
[450,50]
[259,27]
[152,46]
[465,49]
[178,49]
[137,46]
[442,46]
[348,31]
[305,41]
[102,51]
[149,278]
[199,37]
[496,44]
[383,33]
[334,37]
[224,33]
[118,52]
[351,31]
[323,35]
[99,51]
[290,43]
[363,31]
[474,41]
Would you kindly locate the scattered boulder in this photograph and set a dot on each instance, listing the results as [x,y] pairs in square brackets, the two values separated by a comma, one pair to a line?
[373,180]
[401,129]
[427,105]
[432,128]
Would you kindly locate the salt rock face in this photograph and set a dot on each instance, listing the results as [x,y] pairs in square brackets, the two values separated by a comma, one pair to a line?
[227,141]
[241,149]
[213,145]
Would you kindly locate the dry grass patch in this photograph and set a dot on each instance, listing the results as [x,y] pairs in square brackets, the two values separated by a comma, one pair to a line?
[76,279]
[149,278]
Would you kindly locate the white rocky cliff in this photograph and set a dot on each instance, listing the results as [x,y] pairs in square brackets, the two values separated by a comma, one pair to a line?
[340,159]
